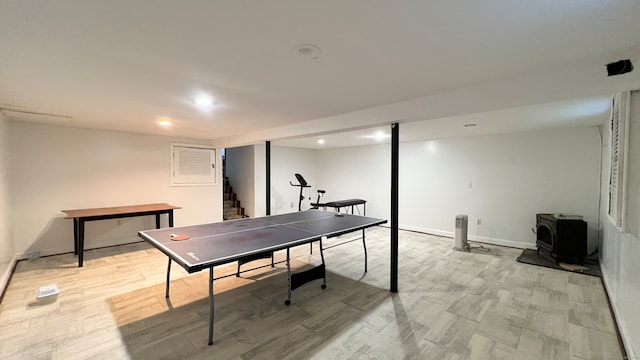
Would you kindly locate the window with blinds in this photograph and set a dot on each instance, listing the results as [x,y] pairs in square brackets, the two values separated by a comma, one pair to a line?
[192,165]
[618,152]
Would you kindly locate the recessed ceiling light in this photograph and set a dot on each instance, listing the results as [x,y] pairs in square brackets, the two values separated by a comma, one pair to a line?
[203,101]
[470,125]
[320,141]
[164,121]
[380,135]
[307,51]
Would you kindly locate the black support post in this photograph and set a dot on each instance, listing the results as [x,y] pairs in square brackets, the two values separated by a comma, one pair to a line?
[268,177]
[395,152]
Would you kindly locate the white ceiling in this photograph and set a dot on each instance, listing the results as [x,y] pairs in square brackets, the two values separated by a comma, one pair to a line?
[435,65]
[584,112]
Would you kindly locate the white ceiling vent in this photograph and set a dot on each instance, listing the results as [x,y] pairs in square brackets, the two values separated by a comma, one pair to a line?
[35,117]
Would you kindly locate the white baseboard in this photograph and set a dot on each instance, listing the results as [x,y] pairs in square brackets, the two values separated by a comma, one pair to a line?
[93,245]
[622,328]
[6,274]
[472,238]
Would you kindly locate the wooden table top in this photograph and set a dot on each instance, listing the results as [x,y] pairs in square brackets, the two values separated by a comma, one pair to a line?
[118,210]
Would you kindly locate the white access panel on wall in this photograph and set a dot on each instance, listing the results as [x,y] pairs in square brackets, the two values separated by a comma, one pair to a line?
[192,165]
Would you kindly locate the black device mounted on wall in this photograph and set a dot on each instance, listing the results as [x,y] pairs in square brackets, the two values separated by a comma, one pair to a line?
[619,67]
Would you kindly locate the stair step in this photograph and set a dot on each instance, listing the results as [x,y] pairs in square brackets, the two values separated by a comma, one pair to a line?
[231,205]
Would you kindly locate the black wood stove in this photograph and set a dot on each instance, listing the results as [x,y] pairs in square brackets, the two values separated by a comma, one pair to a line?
[562,236]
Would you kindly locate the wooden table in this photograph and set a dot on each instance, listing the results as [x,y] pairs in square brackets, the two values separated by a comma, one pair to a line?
[80,216]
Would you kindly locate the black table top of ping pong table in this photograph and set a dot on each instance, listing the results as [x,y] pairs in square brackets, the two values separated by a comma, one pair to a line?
[220,243]
[209,245]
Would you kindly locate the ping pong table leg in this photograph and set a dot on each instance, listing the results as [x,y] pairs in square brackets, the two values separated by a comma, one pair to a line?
[166,294]
[211,305]
[324,272]
[298,279]
[364,244]
[288,301]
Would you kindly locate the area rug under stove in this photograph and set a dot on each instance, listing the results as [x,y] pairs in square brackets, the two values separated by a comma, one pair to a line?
[532,257]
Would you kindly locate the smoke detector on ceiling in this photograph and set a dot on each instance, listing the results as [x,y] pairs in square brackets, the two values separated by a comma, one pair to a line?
[307,51]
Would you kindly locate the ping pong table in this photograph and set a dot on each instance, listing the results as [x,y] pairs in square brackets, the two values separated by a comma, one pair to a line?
[214,244]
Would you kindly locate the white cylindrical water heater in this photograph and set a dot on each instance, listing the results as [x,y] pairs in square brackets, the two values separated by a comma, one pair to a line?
[460,240]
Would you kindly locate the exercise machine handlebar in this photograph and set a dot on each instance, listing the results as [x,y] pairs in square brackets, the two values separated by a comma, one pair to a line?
[302,183]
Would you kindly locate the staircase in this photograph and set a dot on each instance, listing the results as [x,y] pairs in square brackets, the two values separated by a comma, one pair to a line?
[232,208]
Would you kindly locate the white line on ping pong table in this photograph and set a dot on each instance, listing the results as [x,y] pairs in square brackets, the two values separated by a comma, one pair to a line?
[288,223]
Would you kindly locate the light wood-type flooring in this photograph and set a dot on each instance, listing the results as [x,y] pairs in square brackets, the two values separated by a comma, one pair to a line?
[450,305]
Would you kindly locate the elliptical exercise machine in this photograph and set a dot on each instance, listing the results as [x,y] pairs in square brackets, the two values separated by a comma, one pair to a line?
[302,183]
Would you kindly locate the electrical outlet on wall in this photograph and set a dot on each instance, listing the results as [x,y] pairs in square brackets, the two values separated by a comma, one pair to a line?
[479,222]
[292,204]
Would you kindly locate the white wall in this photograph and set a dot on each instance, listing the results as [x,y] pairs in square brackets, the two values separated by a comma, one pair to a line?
[632,200]
[7,247]
[55,168]
[620,250]
[285,162]
[259,180]
[357,173]
[240,170]
[504,180]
